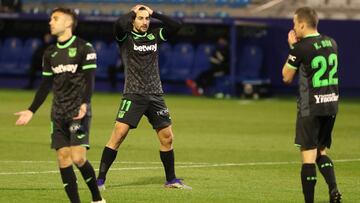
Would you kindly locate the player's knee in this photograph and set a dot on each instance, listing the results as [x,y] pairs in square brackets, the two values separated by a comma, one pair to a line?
[166,139]
[78,160]
[64,159]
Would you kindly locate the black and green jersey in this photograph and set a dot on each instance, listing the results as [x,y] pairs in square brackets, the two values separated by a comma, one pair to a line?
[139,53]
[315,58]
[67,65]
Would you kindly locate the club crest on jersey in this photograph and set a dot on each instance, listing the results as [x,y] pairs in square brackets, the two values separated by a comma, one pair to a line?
[150,37]
[72,52]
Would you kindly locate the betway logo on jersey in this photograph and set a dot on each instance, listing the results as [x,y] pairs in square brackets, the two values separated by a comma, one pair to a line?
[65,68]
[152,47]
[326,98]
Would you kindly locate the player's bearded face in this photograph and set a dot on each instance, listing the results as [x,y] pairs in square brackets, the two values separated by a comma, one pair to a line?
[141,21]
[59,22]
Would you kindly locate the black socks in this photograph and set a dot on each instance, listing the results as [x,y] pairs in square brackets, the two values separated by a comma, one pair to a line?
[88,173]
[167,159]
[107,158]
[308,180]
[326,168]
[70,185]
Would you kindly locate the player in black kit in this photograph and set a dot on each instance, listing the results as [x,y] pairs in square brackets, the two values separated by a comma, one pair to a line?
[314,57]
[143,91]
[69,67]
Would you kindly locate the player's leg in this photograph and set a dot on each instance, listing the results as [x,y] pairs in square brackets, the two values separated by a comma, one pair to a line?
[118,135]
[60,141]
[159,118]
[67,173]
[326,168]
[307,139]
[130,112]
[308,174]
[79,143]
[78,156]
[166,136]
[325,164]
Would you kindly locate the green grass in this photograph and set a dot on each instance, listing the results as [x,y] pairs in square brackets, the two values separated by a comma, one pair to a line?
[209,134]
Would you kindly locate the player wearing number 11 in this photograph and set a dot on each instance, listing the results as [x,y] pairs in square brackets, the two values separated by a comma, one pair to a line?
[314,58]
[142,91]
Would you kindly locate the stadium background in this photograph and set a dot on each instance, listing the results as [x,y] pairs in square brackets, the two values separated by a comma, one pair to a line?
[229,150]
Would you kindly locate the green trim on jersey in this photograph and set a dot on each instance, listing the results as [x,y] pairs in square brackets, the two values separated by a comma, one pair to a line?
[161,36]
[47,73]
[89,44]
[122,39]
[291,66]
[89,66]
[137,35]
[312,35]
[67,44]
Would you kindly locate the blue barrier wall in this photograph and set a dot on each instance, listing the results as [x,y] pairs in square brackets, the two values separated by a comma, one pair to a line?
[273,42]
[345,32]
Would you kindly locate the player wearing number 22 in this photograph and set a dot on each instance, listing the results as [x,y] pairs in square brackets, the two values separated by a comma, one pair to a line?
[314,57]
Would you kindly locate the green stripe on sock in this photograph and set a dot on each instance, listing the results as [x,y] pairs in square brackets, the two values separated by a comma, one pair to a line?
[88,180]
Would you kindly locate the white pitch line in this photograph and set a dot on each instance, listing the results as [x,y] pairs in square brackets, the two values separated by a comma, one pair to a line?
[189,166]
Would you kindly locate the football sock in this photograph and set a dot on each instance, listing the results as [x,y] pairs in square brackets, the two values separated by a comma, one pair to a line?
[70,185]
[167,159]
[308,180]
[326,168]
[108,157]
[88,173]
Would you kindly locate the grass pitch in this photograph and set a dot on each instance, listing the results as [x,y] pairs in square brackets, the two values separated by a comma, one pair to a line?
[227,150]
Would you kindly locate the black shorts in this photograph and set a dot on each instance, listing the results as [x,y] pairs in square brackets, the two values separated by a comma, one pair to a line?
[70,133]
[314,131]
[134,106]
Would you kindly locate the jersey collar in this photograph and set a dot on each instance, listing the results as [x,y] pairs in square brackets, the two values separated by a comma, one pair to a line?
[312,35]
[67,43]
[139,35]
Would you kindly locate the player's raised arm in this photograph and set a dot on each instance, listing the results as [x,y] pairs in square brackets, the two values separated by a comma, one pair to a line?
[124,24]
[290,68]
[171,25]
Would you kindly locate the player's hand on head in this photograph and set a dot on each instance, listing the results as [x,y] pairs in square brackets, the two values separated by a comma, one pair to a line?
[292,39]
[136,8]
[148,9]
[82,112]
[24,117]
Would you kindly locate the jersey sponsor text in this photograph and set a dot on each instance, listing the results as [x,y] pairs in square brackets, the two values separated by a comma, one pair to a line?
[65,68]
[152,47]
[326,98]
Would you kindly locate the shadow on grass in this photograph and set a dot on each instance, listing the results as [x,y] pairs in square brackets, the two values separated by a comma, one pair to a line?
[139,182]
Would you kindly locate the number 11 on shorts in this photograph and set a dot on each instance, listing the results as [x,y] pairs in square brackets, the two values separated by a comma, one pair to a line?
[125,106]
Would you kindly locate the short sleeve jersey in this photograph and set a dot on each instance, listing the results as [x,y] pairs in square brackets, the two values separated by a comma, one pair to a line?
[67,64]
[139,53]
[315,57]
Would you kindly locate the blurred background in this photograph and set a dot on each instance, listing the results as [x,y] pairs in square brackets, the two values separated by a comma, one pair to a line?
[251,36]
